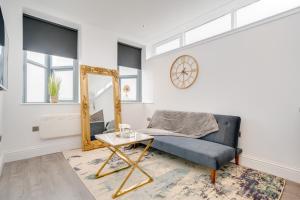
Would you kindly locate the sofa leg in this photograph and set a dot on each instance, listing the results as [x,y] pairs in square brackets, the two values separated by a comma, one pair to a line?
[213,174]
[237,159]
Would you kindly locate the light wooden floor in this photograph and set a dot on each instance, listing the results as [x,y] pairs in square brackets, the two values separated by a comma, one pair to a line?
[51,178]
[47,177]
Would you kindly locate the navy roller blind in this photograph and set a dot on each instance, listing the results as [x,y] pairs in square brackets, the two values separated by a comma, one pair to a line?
[49,38]
[2,30]
[129,56]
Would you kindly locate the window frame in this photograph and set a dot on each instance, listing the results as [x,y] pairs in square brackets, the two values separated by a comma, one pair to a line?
[262,19]
[175,37]
[232,22]
[138,78]
[50,70]
[234,28]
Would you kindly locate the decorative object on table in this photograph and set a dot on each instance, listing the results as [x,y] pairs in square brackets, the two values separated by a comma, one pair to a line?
[115,144]
[125,131]
[184,71]
[174,178]
[99,85]
[126,90]
[54,87]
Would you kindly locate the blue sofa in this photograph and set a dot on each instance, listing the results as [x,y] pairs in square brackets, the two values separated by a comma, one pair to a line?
[213,150]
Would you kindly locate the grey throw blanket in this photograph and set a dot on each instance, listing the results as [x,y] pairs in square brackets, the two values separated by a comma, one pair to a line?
[186,124]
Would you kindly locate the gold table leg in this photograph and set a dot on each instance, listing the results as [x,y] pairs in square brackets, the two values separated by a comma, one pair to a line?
[133,164]
[106,162]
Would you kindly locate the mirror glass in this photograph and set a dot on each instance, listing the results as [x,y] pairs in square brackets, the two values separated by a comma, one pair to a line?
[101,104]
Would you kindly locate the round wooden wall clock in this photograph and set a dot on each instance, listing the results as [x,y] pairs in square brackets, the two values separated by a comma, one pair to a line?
[184,71]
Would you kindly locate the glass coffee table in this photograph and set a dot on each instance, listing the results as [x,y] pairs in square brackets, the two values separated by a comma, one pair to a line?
[114,144]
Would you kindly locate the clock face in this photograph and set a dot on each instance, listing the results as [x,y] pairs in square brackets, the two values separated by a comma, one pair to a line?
[184,71]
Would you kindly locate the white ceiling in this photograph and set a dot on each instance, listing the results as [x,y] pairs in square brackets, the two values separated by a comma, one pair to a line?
[141,20]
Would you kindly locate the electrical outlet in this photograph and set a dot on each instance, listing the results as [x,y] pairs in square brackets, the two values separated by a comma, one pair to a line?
[35,129]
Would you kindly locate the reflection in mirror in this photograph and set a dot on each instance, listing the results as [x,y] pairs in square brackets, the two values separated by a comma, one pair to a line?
[101,104]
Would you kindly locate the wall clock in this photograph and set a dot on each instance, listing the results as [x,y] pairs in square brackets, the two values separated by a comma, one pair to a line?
[184,71]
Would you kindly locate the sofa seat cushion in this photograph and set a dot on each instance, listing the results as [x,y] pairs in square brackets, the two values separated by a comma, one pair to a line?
[203,152]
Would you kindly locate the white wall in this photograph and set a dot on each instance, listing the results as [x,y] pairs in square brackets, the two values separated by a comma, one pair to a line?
[1,114]
[253,74]
[97,47]
[1,129]
[134,115]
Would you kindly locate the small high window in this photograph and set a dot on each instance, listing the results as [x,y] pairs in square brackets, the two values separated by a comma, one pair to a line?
[210,29]
[263,9]
[167,46]
[239,17]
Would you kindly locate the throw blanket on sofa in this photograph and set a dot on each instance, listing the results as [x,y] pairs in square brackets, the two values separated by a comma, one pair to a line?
[185,124]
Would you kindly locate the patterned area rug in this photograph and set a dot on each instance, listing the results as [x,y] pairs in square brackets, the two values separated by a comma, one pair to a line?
[174,178]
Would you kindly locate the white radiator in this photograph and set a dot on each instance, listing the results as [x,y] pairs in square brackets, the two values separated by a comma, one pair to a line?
[62,125]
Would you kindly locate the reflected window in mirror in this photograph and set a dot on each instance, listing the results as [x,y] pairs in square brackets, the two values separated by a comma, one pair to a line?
[50,50]
[101,104]
[130,84]
[129,65]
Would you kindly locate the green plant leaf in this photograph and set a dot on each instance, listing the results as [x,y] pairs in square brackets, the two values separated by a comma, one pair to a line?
[54,85]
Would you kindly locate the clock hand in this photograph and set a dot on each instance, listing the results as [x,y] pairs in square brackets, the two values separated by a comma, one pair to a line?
[178,77]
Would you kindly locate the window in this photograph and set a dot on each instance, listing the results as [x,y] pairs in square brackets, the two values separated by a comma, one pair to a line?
[129,62]
[263,9]
[49,49]
[129,83]
[38,68]
[209,29]
[237,18]
[168,46]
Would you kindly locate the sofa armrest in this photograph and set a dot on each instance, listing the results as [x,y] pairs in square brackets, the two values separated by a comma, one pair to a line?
[109,131]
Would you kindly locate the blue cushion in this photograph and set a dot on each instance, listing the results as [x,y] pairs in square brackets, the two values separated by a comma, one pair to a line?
[229,127]
[203,152]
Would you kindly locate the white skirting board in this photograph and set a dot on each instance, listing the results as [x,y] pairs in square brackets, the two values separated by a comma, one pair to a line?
[270,167]
[246,160]
[40,150]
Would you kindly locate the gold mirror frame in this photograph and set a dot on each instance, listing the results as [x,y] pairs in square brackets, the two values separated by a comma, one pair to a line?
[87,144]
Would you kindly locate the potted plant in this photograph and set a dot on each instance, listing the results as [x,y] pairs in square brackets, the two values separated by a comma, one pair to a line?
[53,87]
[126,90]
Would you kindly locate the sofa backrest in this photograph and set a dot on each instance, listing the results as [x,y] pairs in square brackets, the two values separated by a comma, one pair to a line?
[229,127]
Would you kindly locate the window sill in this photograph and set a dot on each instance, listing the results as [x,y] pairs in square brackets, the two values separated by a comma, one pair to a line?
[62,103]
[131,102]
[135,102]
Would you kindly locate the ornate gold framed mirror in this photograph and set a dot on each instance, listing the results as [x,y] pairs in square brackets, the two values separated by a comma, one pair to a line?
[100,104]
